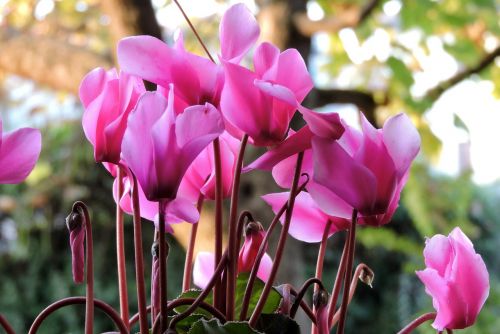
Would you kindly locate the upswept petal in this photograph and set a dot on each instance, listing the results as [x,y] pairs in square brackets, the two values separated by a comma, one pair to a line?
[284,170]
[238,31]
[265,58]
[438,289]
[19,153]
[438,254]
[203,269]
[323,124]
[277,91]
[339,172]
[330,203]
[402,141]
[151,59]
[292,73]
[93,84]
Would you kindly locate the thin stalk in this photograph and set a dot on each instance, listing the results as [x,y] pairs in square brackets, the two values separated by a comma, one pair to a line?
[301,293]
[218,220]
[417,322]
[120,253]
[354,283]
[307,310]
[320,262]
[281,243]
[81,208]
[203,294]
[232,249]
[338,283]
[5,325]
[347,278]
[188,264]
[163,266]
[286,301]
[108,310]
[260,254]
[139,261]
[133,320]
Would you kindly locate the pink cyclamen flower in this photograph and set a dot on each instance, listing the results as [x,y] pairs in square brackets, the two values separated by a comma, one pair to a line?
[456,278]
[19,151]
[108,98]
[367,170]
[261,103]
[200,176]
[197,79]
[308,220]
[160,143]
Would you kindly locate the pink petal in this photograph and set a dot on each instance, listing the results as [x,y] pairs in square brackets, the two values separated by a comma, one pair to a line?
[329,202]
[437,288]
[325,125]
[402,141]
[284,170]
[339,172]
[182,210]
[151,59]
[438,254]
[265,58]
[297,142]
[308,221]
[266,264]
[19,151]
[280,92]
[292,73]
[203,269]
[238,31]
[93,84]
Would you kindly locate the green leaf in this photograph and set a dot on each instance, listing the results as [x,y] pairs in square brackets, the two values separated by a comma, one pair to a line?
[215,327]
[194,293]
[400,71]
[272,302]
[277,324]
[183,326]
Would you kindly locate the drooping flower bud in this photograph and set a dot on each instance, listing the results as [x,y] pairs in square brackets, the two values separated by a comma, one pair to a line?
[254,235]
[76,227]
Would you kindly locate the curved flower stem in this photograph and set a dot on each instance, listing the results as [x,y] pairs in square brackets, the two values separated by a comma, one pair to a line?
[133,320]
[82,210]
[5,325]
[287,298]
[187,301]
[320,262]
[196,302]
[302,292]
[188,264]
[308,311]
[347,278]
[417,322]
[218,219]
[338,283]
[120,252]
[162,242]
[108,310]
[260,254]
[358,274]
[139,261]
[232,247]
[281,243]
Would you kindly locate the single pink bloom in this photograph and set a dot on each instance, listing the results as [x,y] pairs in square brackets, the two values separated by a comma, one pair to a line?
[203,268]
[178,210]
[108,98]
[160,144]
[308,220]
[456,278]
[368,170]
[261,103]
[197,79]
[200,176]
[19,151]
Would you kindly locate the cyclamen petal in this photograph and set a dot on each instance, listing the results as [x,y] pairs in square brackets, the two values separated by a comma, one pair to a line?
[456,278]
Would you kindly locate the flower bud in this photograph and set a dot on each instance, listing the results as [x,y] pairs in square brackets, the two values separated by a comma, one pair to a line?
[254,235]
[75,224]
[320,301]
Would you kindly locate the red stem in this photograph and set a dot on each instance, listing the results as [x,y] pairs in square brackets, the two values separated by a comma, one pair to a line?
[139,261]
[5,325]
[260,254]
[132,321]
[120,253]
[417,322]
[232,247]
[281,244]
[218,220]
[338,283]
[307,310]
[319,264]
[188,264]
[108,310]
[163,265]
[302,292]
[347,276]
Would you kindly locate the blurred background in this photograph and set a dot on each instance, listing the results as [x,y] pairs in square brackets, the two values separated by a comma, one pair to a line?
[435,60]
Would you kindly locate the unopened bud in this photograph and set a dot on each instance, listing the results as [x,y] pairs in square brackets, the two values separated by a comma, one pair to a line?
[253,227]
[367,276]
[74,220]
[320,298]
[155,250]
